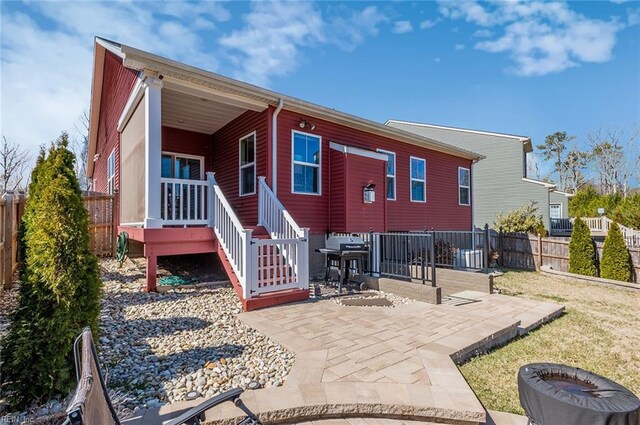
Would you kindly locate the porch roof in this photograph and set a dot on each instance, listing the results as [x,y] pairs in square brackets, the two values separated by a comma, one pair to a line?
[179,72]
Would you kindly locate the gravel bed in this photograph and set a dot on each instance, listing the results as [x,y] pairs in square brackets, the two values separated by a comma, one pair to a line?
[396,300]
[158,347]
[8,303]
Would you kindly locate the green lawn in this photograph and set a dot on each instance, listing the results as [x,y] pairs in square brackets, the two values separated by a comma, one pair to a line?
[600,331]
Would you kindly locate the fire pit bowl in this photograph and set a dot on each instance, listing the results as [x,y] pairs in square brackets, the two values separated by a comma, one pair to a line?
[554,394]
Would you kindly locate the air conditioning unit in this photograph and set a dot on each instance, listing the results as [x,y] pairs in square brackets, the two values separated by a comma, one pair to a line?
[468,259]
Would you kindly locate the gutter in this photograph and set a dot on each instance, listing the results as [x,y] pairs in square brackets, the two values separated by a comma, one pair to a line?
[274,147]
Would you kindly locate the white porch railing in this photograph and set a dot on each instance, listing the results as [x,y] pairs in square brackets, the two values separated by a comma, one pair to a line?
[183,202]
[598,225]
[281,225]
[261,265]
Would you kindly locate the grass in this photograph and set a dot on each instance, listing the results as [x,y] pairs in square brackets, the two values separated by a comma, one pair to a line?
[600,332]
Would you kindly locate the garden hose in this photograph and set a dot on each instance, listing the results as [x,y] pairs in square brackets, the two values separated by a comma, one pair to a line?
[122,247]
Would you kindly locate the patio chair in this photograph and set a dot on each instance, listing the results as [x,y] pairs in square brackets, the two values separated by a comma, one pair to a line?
[91,404]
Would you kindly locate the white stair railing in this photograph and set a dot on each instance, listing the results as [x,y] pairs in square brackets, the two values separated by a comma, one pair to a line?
[183,202]
[281,226]
[232,236]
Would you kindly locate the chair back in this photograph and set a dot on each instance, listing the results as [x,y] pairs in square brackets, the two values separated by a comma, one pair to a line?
[91,404]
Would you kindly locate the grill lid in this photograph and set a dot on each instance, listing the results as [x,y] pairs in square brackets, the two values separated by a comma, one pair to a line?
[346,243]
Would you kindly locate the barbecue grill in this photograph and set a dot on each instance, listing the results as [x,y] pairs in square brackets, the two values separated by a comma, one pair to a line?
[343,252]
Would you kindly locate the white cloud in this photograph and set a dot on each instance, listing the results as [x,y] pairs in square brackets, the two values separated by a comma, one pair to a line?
[402,27]
[274,33]
[47,55]
[459,47]
[633,17]
[436,60]
[429,23]
[540,37]
[483,33]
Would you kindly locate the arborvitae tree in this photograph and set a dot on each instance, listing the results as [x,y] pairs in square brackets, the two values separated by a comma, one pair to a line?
[60,285]
[616,261]
[582,253]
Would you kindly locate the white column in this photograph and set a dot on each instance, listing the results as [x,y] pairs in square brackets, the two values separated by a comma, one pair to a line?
[153,151]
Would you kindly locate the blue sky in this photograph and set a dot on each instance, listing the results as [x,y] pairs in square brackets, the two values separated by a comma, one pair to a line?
[529,68]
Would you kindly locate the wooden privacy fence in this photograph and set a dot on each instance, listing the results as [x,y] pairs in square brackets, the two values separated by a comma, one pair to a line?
[531,252]
[102,230]
[11,210]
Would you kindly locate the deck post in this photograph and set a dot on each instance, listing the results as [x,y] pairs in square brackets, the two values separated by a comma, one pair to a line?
[153,151]
[152,272]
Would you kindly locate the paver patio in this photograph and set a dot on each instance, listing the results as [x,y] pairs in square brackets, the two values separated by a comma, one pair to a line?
[394,363]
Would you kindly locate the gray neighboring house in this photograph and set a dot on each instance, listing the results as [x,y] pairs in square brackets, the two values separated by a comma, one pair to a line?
[500,182]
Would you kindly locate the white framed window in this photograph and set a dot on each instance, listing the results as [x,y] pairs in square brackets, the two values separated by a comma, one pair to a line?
[111,172]
[418,179]
[464,186]
[247,164]
[391,174]
[182,166]
[306,169]
[555,211]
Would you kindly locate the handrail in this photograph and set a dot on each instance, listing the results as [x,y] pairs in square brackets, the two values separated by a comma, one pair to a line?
[183,201]
[234,239]
[270,208]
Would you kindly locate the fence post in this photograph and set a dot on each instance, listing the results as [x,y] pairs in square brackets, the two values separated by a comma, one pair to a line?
[501,247]
[539,251]
[370,265]
[487,246]
[7,255]
[114,228]
[433,258]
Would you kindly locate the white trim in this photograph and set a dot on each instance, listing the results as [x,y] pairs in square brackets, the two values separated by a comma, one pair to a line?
[306,164]
[464,130]
[395,172]
[545,184]
[183,155]
[357,151]
[111,46]
[132,103]
[254,133]
[411,179]
[567,194]
[461,186]
[153,151]
[111,178]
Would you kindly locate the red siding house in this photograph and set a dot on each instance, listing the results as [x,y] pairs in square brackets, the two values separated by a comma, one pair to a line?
[203,163]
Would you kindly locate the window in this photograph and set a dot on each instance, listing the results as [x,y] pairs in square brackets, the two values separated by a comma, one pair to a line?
[418,180]
[555,211]
[248,164]
[464,186]
[111,172]
[391,174]
[181,166]
[307,162]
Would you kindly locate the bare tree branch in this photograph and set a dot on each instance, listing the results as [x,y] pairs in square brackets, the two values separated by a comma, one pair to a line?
[13,164]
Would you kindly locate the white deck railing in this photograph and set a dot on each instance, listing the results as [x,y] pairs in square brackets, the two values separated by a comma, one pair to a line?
[598,225]
[281,225]
[261,265]
[183,202]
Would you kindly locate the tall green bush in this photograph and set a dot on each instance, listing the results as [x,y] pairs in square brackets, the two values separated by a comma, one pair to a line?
[522,220]
[582,252]
[60,285]
[616,261]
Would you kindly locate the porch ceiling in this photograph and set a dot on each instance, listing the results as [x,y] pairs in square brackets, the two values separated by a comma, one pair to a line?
[199,114]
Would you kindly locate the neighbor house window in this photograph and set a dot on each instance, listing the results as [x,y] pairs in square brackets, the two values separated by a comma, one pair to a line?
[181,166]
[391,174]
[111,172]
[248,164]
[418,180]
[307,163]
[464,186]
[555,211]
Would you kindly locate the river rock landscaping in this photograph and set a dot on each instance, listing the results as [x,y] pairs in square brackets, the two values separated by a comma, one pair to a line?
[158,347]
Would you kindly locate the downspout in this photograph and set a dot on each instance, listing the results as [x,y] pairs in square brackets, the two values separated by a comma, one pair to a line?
[274,147]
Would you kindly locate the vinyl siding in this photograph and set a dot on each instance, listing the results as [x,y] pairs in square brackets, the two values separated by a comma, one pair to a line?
[558,198]
[497,180]
[362,171]
[441,211]
[226,161]
[190,143]
[337,210]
